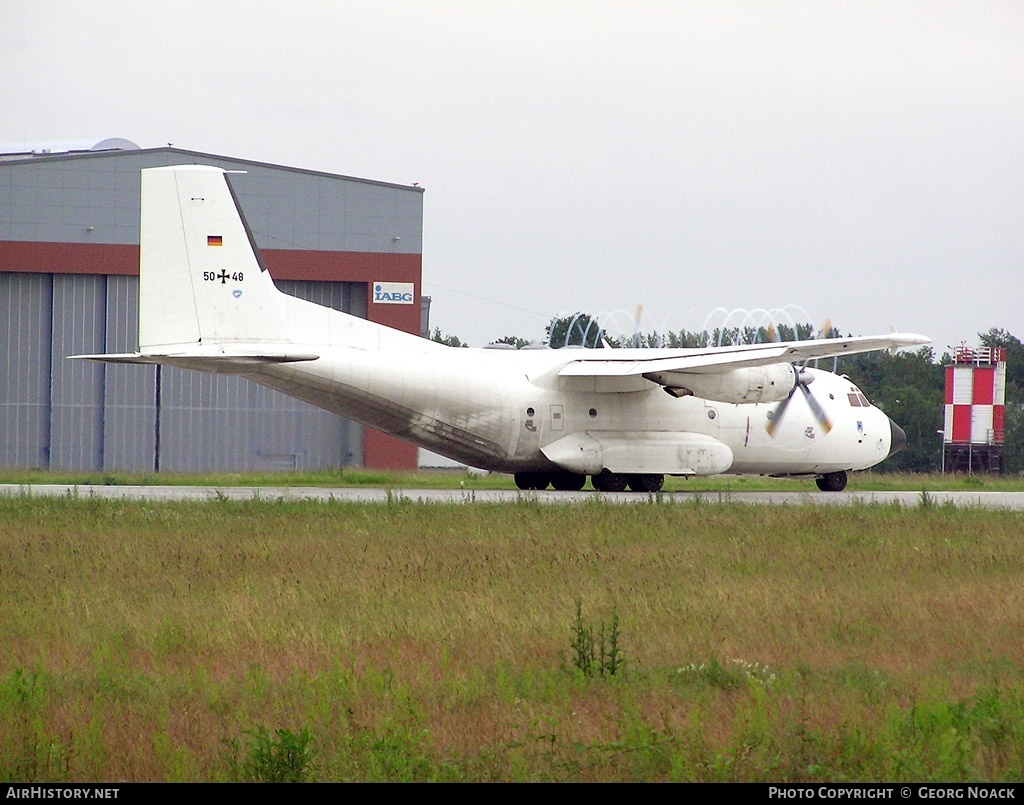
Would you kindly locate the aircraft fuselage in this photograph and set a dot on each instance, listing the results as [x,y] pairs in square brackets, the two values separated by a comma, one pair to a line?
[499,409]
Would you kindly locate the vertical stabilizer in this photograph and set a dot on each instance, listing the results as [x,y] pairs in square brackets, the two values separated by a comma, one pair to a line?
[203,286]
[201,278]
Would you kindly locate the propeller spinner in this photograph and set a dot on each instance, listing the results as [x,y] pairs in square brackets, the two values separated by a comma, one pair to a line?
[802,379]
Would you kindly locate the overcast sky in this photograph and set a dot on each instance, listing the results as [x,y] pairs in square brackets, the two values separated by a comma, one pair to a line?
[858,162]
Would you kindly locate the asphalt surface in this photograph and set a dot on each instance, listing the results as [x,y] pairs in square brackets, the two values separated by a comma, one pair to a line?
[983,500]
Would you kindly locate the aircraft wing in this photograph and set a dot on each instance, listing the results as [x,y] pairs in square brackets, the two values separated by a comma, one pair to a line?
[723,359]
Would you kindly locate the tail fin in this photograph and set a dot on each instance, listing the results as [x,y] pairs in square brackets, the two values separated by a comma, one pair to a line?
[202,281]
[204,288]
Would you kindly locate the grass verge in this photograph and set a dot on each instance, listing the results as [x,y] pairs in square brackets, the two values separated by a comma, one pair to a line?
[406,641]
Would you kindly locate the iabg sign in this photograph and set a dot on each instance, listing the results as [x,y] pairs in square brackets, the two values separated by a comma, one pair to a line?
[393,293]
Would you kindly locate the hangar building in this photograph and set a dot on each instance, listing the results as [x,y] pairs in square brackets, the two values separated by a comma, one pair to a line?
[69,264]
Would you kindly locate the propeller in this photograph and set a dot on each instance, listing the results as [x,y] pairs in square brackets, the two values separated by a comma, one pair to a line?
[826,332]
[802,379]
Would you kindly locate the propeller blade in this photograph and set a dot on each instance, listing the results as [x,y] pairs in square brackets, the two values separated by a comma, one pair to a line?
[816,409]
[776,418]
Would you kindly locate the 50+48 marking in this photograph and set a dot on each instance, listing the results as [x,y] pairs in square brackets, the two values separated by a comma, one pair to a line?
[223,276]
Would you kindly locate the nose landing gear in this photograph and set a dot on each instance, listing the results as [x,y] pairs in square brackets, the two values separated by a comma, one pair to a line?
[831,482]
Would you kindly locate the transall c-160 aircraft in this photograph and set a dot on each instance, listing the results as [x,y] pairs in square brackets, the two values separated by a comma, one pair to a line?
[623,417]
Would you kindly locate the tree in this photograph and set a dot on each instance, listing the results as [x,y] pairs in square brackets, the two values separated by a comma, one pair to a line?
[580,329]
[512,340]
[447,340]
[1014,354]
[684,339]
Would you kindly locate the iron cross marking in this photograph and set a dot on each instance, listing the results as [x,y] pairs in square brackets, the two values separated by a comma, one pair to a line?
[223,277]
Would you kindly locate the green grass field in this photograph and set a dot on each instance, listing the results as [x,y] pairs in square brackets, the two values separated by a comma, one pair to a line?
[522,642]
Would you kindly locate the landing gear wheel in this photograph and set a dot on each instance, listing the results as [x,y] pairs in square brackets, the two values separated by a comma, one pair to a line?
[568,481]
[646,483]
[609,482]
[832,482]
[532,480]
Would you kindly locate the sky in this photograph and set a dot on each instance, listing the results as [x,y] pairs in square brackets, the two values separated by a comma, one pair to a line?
[686,164]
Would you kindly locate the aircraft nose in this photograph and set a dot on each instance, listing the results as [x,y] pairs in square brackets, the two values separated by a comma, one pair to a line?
[898,439]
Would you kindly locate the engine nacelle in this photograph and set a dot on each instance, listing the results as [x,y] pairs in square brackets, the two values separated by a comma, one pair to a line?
[749,384]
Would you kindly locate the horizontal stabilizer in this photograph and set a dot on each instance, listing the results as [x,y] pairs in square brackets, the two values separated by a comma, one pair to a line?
[193,359]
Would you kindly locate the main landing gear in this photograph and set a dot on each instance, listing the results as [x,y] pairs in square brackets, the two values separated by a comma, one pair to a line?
[605,482]
[565,481]
[831,482]
[616,482]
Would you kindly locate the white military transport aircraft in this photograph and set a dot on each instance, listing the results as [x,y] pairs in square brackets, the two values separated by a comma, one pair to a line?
[624,417]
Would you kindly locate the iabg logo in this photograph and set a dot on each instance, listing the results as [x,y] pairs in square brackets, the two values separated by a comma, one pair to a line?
[393,293]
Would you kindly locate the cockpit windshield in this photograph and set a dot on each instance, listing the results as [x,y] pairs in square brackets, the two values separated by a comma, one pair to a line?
[857,398]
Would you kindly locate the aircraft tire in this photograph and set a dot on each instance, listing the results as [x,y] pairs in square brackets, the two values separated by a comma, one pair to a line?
[609,482]
[568,481]
[831,482]
[648,482]
[532,480]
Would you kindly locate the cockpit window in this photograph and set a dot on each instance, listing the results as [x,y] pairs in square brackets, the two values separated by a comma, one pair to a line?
[858,400]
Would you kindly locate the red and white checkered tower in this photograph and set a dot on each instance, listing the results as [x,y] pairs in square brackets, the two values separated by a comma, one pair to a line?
[975,405]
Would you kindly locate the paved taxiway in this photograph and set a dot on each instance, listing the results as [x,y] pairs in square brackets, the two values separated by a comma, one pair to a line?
[983,500]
